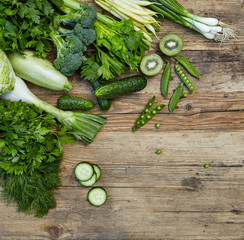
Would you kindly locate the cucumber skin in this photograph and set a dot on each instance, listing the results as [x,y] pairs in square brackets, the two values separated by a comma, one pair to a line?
[121,87]
[74,103]
[104,104]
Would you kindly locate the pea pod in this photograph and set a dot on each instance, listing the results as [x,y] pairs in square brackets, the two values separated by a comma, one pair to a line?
[175,98]
[146,109]
[165,79]
[146,116]
[188,66]
[184,78]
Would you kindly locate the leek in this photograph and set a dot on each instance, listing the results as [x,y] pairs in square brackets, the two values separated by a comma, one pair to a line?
[82,126]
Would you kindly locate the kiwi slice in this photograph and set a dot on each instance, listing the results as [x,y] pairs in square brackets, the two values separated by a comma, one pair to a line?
[171,44]
[151,64]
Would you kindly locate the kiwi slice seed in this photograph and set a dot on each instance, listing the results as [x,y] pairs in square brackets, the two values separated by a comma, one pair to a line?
[171,44]
[151,64]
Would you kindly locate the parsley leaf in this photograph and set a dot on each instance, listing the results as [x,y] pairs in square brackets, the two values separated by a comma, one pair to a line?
[31,151]
[25,24]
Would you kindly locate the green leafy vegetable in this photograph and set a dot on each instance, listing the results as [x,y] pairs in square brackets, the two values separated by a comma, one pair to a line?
[31,152]
[25,24]
[118,46]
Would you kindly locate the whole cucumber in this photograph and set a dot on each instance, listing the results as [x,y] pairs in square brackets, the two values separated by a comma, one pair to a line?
[121,87]
[104,104]
[74,103]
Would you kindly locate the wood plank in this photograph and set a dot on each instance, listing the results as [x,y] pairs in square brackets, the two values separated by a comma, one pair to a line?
[136,213]
[167,196]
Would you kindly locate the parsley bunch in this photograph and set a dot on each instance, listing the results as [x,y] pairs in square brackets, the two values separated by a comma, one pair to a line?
[26,24]
[31,152]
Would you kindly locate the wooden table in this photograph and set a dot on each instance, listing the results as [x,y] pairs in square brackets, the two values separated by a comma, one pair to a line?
[167,196]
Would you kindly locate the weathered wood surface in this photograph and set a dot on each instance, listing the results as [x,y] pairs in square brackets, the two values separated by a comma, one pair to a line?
[170,196]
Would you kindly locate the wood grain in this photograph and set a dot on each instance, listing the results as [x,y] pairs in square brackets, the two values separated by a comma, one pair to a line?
[167,196]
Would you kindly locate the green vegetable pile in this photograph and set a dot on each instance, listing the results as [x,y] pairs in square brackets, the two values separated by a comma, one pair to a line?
[32,132]
[118,47]
[31,152]
[25,24]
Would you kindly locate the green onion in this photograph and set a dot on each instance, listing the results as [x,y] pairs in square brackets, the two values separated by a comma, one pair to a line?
[211,28]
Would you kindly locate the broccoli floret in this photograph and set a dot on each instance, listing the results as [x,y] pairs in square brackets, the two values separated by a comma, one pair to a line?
[80,18]
[69,63]
[86,16]
[87,36]
[69,53]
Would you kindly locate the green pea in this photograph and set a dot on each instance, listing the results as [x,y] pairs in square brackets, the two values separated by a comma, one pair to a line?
[157,125]
[142,122]
[154,112]
[188,66]
[185,95]
[159,151]
[146,110]
[148,116]
[206,165]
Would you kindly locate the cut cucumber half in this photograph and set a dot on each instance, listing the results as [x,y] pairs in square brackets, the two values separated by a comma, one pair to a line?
[151,64]
[97,196]
[84,171]
[90,182]
[98,171]
[171,44]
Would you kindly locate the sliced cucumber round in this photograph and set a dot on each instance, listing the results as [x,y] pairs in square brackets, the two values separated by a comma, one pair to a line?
[84,171]
[98,171]
[97,196]
[90,182]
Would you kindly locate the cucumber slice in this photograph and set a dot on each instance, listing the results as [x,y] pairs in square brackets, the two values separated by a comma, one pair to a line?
[97,196]
[84,171]
[90,182]
[98,171]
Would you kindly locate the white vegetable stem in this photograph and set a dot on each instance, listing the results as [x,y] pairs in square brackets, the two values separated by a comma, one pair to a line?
[82,126]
